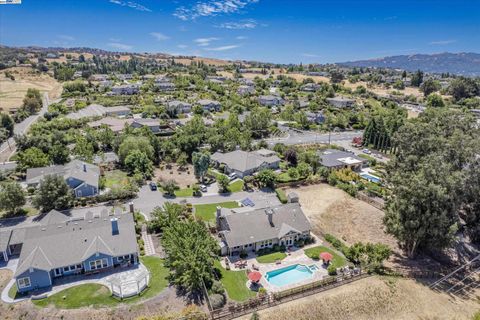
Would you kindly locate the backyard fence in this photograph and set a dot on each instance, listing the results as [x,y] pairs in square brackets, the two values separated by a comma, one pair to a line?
[371,201]
[269,300]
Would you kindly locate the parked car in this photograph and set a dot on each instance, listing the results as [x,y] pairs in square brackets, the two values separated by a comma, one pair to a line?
[366,151]
[203,188]
[232,176]
[153,186]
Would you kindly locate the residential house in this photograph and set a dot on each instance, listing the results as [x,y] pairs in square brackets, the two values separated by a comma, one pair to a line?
[251,230]
[99,77]
[97,110]
[316,117]
[210,105]
[244,163]
[244,90]
[270,100]
[341,102]
[179,107]
[115,124]
[165,86]
[59,246]
[80,176]
[310,87]
[154,125]
[337,159]
[317,74]
[126,89]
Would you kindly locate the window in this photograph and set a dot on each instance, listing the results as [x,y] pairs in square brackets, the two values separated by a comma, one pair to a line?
[98,264]
[58,272]
[123,258]
[79,266]
[65,269]
[24,282]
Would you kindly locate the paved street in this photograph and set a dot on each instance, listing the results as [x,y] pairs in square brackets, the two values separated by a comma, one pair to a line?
[8,147]
[303,137]
[147,200]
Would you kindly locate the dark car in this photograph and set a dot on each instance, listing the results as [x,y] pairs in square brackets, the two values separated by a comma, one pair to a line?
[153,186]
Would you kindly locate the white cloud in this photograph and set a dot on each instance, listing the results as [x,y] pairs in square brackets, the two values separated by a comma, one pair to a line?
[243,24]
[65,37]
[310,55]
[182,46]
[203,42]
[120,46]
[211,8]
[241,38]
[131,4]
[223,48]
[442,42]
[159,36]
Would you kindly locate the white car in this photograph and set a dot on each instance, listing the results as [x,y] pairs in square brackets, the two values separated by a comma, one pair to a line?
[232,176]
[203,188]
[366,151]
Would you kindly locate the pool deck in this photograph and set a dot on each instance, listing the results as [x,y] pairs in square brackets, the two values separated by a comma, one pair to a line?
[295,256]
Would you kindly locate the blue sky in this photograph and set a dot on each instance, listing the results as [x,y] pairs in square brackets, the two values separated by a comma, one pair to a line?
[266,30]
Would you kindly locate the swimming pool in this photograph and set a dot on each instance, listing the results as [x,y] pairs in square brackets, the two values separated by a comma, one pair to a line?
[289,275]
[370,177]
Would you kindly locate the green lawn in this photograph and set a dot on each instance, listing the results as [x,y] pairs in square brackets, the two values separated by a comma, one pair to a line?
[338,260]
[187,192]
[206,212]
[271,257]
[236,186]
[96,295]
[116,179]
[235,283]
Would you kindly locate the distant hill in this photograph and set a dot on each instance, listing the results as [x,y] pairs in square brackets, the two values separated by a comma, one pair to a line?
[467,64]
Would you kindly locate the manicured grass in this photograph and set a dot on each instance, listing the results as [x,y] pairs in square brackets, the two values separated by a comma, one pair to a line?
[187,192]
[236,186]
[235,283]
[13,292]
[116,179]
[206,212]
[85,295]
[271,257]
[337,261]
[96,295]
[285,177]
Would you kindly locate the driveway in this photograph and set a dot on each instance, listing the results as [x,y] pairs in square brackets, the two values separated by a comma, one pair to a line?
[148,200]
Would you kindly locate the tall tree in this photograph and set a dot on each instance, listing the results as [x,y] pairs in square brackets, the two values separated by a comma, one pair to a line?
[12,197]
[53,193]
[201,162]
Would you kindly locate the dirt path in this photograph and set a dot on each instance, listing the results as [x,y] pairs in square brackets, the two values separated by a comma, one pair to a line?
[375,298]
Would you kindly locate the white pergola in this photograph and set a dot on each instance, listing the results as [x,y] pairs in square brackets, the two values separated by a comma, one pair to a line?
[131,285]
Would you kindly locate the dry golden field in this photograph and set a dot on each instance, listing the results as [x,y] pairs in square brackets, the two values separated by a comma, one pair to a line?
[13,92]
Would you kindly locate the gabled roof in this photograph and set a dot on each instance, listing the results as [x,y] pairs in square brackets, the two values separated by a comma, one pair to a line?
[245,227]
[53,216]
[243,161]
[70,242]
[88,173]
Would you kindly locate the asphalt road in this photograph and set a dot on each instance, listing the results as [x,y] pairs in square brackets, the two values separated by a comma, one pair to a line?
[147,200]
[308,137]
[8,147]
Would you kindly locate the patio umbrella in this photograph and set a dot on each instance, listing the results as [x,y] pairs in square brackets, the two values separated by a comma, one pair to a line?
[254,276]
[326,256]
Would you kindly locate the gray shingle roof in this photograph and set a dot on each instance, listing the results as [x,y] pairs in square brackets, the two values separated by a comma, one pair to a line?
[77,169]
[253,226]
[60,244]
[333,158]
[243,161]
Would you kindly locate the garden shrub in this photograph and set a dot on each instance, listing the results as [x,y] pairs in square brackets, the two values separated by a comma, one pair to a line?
[217,300]
[243,254]
[218,288]
[332,271]
[281,195]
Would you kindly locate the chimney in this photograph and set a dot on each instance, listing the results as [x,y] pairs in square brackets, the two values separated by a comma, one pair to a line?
[218,216]
[114,222]
[84,167]
[269,213]
[130,206]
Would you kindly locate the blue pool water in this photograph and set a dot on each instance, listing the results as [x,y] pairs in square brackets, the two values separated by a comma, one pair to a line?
[370,178]
[288,275]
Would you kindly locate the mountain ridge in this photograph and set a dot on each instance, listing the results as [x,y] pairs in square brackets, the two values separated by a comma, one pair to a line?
[461,63]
